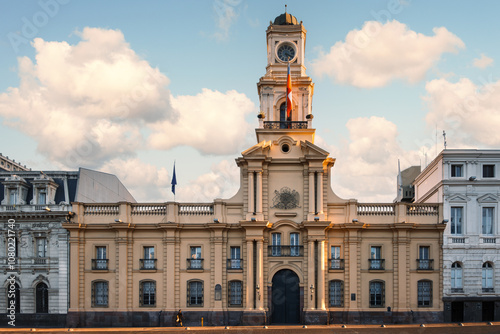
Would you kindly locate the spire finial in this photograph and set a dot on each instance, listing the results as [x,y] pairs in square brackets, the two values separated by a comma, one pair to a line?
[444,137]
[285,9]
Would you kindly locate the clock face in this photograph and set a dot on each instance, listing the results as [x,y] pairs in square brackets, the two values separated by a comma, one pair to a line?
[286,52]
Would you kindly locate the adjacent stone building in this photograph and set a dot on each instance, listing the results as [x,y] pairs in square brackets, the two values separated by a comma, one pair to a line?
[37,203]
[284,249]
[467,182]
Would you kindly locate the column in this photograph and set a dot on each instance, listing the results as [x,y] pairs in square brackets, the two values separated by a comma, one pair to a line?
[320,192]
[310,275]
[311,192]
[250,283]
[260,275]
[251,208]
[259,192]
[320,285]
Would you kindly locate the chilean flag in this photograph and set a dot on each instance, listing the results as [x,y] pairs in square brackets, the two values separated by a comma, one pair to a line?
[288,94]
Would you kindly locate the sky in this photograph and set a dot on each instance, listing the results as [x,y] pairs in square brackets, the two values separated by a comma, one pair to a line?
[132,87]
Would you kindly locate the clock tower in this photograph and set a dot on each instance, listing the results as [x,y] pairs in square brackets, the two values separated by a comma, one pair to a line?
[286,41]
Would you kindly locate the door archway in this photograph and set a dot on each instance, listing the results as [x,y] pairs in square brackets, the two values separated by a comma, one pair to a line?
[285,298]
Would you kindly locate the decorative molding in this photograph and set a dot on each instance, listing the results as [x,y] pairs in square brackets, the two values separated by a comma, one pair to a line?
[286,199]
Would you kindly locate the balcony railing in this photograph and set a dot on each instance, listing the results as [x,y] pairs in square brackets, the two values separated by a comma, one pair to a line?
[377,264]
[234,263]
[40,260]
[100,264]
[147,264]
[457,290]
[337,264]
[488,290]
[282,250]
[425,264]
[285,125]
[194,263]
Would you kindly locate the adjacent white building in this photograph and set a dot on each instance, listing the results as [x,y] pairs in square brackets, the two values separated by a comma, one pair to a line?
[467,182]
[33,206]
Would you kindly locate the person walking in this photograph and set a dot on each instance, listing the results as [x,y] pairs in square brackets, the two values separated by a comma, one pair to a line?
[179,318]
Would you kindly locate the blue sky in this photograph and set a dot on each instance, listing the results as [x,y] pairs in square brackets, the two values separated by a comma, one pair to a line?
[133,86]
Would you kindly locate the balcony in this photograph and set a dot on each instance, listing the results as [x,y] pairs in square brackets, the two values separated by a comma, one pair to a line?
[336,264]
[274,125]
[195,264]
[377,264]
[457,290]
[280,251]
[147,264]
[40,260]
[100,264]
[425,264]
[234,263]
[488,290]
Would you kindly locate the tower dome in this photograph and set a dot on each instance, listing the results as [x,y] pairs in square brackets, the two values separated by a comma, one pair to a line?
[285,19]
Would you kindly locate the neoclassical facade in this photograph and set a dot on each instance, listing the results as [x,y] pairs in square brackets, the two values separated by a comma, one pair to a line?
[284,249]
[33,207]
[467,182]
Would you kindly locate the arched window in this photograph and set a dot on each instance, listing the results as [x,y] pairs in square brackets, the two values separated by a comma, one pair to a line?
[424,293]
[42,298]
[235,294]
[195,293]
[487,277]
[147,293]
[336,293]
[377,294]
[100,294]
[456,277]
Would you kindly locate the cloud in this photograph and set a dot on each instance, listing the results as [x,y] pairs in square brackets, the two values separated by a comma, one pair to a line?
[212,122]
[468,112]
[483,62]
[85,104]
[380,53]
[226,15]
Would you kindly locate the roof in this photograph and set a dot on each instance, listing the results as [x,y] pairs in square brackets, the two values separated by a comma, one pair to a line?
[285,19]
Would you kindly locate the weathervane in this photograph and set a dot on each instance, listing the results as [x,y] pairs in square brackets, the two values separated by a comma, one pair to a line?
[444,138]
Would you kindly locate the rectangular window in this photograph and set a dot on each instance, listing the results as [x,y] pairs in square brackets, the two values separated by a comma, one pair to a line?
[195,293]
[456,220]
[41,247]
[424,293]
[457,170]
[294,244]
[336,293]
[377,294]
[42,197]
[235,262]
[487,277]
[13,197]
[147,295]
[149,258]
[235,293]
[488,220]
[424,257]
[101,261]
[100,294]
[488,170]
[335,252]
[375,258]
[196,261]
[276,244]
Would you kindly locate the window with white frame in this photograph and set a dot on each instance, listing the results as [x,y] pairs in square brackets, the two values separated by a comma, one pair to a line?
[294,244]
[41,247]
[487,277]
[42,197]
[235,262]
[456,277]
[487,219]
[336,293]
[12,196]
[456,220]
[457,170]
[424,293]
[276,244]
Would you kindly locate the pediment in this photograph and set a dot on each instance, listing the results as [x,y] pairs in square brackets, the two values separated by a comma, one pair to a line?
[312,150]
[488,198]
[457,198]
[258,149]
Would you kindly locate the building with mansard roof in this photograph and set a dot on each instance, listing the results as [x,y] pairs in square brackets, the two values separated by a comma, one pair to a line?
[466,182]
[33,243]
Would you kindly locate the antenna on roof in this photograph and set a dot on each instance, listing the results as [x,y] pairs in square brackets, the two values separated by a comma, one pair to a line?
[444,138]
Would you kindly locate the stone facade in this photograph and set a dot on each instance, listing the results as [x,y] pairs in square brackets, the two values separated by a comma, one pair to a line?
[467,183]
[284,249]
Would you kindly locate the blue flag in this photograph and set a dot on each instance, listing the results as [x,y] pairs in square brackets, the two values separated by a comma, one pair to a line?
[174,181]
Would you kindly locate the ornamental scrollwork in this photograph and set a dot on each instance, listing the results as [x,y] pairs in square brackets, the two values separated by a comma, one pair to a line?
[286,199]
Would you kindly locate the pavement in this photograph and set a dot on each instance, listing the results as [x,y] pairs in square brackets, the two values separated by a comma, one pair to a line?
[469,328]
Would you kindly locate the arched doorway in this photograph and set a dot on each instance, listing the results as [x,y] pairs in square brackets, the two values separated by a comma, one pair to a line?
[285,298]
[42,298]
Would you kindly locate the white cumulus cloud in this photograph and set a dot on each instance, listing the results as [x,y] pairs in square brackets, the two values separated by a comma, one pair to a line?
[380,53]
[483,62]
